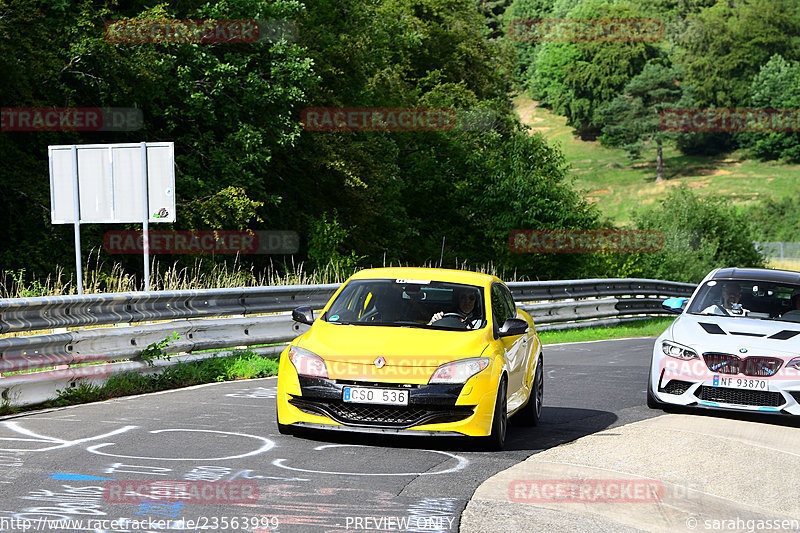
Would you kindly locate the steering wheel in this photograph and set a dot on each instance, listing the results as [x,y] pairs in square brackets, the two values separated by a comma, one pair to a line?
[452,320]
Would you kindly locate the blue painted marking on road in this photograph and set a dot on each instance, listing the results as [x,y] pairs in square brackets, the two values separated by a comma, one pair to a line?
[79,477]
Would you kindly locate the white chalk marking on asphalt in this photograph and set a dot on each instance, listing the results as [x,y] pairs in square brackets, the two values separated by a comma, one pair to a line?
[59,443]
[462,463]
[268,445]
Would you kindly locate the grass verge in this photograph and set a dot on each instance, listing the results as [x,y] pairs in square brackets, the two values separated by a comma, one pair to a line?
[243,364]
[642,328]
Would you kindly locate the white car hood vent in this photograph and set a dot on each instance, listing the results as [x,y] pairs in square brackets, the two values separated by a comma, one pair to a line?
[714,329]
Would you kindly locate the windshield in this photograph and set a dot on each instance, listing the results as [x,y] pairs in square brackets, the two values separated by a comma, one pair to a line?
[409,303]
[745,298]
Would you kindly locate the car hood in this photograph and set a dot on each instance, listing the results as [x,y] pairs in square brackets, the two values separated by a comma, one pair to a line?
[730,335]
[401,346]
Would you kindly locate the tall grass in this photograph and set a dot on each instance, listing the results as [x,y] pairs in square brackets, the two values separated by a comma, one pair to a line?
[101,278]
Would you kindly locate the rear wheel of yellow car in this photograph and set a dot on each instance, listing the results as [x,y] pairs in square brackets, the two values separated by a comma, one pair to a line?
[497,439]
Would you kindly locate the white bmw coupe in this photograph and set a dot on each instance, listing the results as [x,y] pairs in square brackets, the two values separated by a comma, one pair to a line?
[735,346]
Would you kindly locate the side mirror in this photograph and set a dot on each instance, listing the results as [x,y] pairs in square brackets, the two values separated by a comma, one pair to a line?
[513,326]
[674,305]
[303,314]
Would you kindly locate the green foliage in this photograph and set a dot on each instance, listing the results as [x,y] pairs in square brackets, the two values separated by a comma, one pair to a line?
[519,16]
[700,234]
[19,288]
[578,78]
[775,220]
[156,349]
[229,208]
[776,86]
[326,241]
[241,364]
[724,46]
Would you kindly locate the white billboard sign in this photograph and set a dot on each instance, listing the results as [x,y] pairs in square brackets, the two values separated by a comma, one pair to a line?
[110,188]
[112,183]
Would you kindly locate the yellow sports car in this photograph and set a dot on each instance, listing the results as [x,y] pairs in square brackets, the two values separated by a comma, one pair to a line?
[419,351]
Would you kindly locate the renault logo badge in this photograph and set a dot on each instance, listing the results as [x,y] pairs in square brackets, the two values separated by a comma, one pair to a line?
[379,362]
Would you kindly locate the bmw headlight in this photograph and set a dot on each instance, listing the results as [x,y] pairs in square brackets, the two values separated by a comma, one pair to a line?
[459,371]
[678,351]
[307,363]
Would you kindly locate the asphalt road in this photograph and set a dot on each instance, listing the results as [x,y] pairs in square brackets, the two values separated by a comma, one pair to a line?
[109,465]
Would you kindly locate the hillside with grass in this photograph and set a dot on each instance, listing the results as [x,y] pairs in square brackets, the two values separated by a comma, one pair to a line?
[618,186]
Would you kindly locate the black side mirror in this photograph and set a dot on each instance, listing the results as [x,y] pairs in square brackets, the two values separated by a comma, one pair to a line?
[303,314]
[513,326]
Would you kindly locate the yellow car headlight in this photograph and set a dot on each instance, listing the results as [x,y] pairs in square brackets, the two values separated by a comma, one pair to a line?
[458,371]
[307,363]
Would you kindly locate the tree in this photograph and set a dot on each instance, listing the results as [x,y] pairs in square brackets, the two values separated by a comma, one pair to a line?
[578,78]
[633,119]
[723,46]
[776,86]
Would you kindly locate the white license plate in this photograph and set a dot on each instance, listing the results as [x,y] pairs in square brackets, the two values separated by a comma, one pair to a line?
[741,383]
[378,396]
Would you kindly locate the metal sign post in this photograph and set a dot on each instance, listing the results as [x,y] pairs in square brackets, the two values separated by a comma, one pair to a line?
[145,220]
[112,183]
[77,211]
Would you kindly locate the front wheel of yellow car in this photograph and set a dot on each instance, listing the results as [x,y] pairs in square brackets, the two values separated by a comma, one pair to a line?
[532,412]
[497,439]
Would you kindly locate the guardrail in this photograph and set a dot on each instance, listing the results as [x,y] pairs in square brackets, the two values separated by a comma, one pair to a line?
[553,305]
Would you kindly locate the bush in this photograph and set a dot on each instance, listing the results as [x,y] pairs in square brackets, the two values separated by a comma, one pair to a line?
[700,234]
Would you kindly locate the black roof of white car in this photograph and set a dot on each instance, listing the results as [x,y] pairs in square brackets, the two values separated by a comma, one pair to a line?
[775,276]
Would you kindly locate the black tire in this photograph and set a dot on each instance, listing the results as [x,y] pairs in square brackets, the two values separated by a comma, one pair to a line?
[497,440]
[652,401]
[532,412]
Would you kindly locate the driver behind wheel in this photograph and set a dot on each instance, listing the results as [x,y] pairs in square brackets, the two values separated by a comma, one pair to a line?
[464,301]
[730,304]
